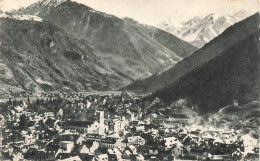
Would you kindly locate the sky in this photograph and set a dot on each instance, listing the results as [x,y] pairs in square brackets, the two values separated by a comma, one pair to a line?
[155,11]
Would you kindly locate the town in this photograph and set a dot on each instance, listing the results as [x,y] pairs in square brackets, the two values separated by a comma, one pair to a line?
[115,127]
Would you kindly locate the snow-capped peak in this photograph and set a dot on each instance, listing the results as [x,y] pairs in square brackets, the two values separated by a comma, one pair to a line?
[192,21]
[200,30]
[21,17]
[52,3]
[42,5]
[171,26]
[213,15]
[174,22]
[171,22]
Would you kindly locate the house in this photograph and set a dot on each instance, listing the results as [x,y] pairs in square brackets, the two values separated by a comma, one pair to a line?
[194,133]
[197,151]
[126,155]
[132,149]
[75,158]
[153,153]
[52,147]
[135,140]
[59,113]
[218,157]
[188,158]
[80,140]
[85,157]
[67,146]
[94,137]
[139,157]
[84,150]
[102,157]
[118,126]
[114,154]
[40,155]
[69,137]
[177,151]
[171,141]
[29,139]
[18,156]
[49,115]
[140,128]
[165,156]
[82,127]
[176,118]
[95,124]
[110,142]
[67,157]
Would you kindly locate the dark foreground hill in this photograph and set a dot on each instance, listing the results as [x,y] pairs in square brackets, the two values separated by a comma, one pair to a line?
[227,68]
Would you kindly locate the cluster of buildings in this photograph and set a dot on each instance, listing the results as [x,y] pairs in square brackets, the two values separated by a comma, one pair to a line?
[115,128]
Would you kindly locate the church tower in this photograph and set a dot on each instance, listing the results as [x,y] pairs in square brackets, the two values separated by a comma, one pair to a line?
[101,120]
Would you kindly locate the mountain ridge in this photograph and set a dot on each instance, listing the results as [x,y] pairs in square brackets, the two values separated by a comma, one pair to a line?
[231,75]
[200,30]
[73,64]
[136,52]
[99,51]
[168,84]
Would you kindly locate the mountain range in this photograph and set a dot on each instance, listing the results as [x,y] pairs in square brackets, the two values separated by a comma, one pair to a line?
[137,50]
[60,45]
[224,69]
[199,31]
[63,45]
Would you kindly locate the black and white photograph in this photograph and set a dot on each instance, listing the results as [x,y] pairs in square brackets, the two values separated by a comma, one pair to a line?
[129,80]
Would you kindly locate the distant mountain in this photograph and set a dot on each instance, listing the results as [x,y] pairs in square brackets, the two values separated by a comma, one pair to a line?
[227,68]
[199,31]
[134,51]
[36,55]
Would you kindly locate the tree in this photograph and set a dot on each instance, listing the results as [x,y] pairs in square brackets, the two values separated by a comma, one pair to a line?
[10,102]
[14,102]
[84,100]
[23,124]
[37,102]
[28,100]
[163,142]
[89,144]
[42,101]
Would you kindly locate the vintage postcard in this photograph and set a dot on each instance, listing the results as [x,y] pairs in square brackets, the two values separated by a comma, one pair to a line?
[129,80]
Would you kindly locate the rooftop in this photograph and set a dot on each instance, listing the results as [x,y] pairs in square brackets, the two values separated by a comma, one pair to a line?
[78,123]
